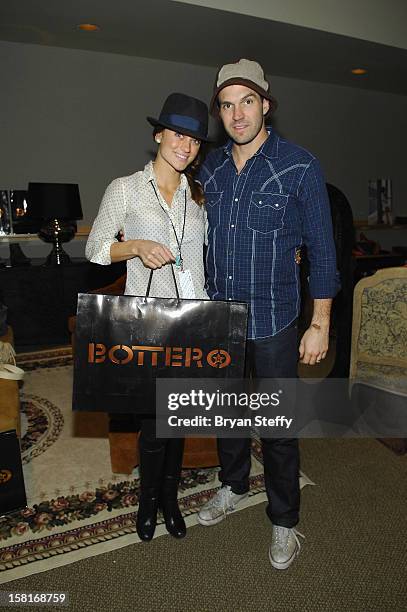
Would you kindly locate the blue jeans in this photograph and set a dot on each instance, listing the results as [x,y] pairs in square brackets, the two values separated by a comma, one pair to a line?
[274,357]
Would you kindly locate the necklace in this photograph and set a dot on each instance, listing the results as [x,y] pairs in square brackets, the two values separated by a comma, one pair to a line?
[179,262]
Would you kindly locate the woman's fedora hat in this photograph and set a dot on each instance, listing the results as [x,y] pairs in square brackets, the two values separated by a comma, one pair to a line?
[183,114]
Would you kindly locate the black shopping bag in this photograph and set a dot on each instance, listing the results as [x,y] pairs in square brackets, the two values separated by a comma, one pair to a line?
[12,489]
[123,343]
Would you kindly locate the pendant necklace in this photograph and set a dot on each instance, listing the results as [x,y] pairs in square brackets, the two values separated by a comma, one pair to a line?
[179,262]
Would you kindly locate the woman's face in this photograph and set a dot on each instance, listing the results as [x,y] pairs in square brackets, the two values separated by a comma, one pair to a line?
[177,150]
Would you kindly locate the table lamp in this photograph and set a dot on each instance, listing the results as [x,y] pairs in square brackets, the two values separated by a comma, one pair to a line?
[58,205]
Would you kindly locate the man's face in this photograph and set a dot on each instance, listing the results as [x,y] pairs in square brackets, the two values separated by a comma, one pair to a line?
[242,112]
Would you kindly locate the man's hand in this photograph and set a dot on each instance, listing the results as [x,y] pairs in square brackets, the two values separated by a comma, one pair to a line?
[314,343]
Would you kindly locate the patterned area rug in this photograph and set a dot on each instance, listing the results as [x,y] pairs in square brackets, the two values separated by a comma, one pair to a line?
[77,507]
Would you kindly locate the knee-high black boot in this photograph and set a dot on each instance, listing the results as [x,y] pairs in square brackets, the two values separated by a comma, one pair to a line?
[151,473]
[174,522]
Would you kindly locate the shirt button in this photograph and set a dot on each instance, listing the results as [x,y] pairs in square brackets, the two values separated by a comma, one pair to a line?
[236,199]
[230,299]
[276,205]
[260,202]
[232,226]
[230,278]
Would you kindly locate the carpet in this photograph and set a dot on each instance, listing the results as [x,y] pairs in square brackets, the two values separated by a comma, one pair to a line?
[77,507]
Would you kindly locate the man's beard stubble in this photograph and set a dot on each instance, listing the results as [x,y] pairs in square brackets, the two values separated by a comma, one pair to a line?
[247,137]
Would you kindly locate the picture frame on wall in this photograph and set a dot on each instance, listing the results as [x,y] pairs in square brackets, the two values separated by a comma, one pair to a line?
[380,202]
[14,213]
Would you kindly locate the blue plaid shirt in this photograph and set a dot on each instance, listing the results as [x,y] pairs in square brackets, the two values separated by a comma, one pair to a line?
[257,221]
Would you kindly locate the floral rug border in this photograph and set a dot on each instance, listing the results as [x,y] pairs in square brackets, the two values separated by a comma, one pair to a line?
[86,536]
[50,358]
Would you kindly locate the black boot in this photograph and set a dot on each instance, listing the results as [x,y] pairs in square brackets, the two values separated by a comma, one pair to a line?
[174,522]
[151,468]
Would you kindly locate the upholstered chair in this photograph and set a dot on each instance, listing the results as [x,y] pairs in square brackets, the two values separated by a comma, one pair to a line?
[378,370]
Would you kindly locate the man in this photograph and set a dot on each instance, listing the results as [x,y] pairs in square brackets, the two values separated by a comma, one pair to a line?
[265,198]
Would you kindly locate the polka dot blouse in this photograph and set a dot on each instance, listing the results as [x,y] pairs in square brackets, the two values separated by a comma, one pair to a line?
[130,204]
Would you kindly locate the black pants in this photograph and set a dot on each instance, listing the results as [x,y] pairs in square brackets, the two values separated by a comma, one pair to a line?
[274,357]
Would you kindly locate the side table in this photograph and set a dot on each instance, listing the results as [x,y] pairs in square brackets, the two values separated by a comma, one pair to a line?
[41,298]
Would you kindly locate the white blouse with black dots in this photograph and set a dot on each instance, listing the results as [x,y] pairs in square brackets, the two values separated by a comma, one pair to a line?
[130,204]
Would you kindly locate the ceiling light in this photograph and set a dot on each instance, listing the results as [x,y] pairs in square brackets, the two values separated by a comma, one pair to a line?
[358,71]
[88,27]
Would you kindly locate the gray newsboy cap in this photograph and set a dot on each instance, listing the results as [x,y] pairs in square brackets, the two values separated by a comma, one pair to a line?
[244,72]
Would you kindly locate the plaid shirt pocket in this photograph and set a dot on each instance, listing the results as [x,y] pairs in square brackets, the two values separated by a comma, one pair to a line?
[213,200]
[266,211]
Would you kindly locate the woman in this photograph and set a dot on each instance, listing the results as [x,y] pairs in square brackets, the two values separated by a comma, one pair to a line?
[160,212]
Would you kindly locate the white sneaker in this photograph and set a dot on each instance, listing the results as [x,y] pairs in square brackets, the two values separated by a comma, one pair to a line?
[221,504]
[285,546]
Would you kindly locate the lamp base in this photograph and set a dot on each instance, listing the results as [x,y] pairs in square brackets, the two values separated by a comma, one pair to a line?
[57,257]
[17,257]
[57,232]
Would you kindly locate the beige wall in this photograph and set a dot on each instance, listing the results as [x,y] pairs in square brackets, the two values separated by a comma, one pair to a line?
[70,115]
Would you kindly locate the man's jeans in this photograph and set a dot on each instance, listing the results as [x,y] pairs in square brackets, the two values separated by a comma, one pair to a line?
[274,357]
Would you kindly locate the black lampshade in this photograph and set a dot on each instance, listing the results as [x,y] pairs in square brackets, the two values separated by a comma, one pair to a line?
[54,201]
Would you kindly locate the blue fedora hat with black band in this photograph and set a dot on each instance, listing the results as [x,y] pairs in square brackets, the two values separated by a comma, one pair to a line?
[183,114]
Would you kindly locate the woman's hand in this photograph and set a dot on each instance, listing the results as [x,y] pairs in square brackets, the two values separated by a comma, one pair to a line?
[153,254]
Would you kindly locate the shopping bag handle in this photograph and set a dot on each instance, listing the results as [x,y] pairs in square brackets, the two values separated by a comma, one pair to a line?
[173,276]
